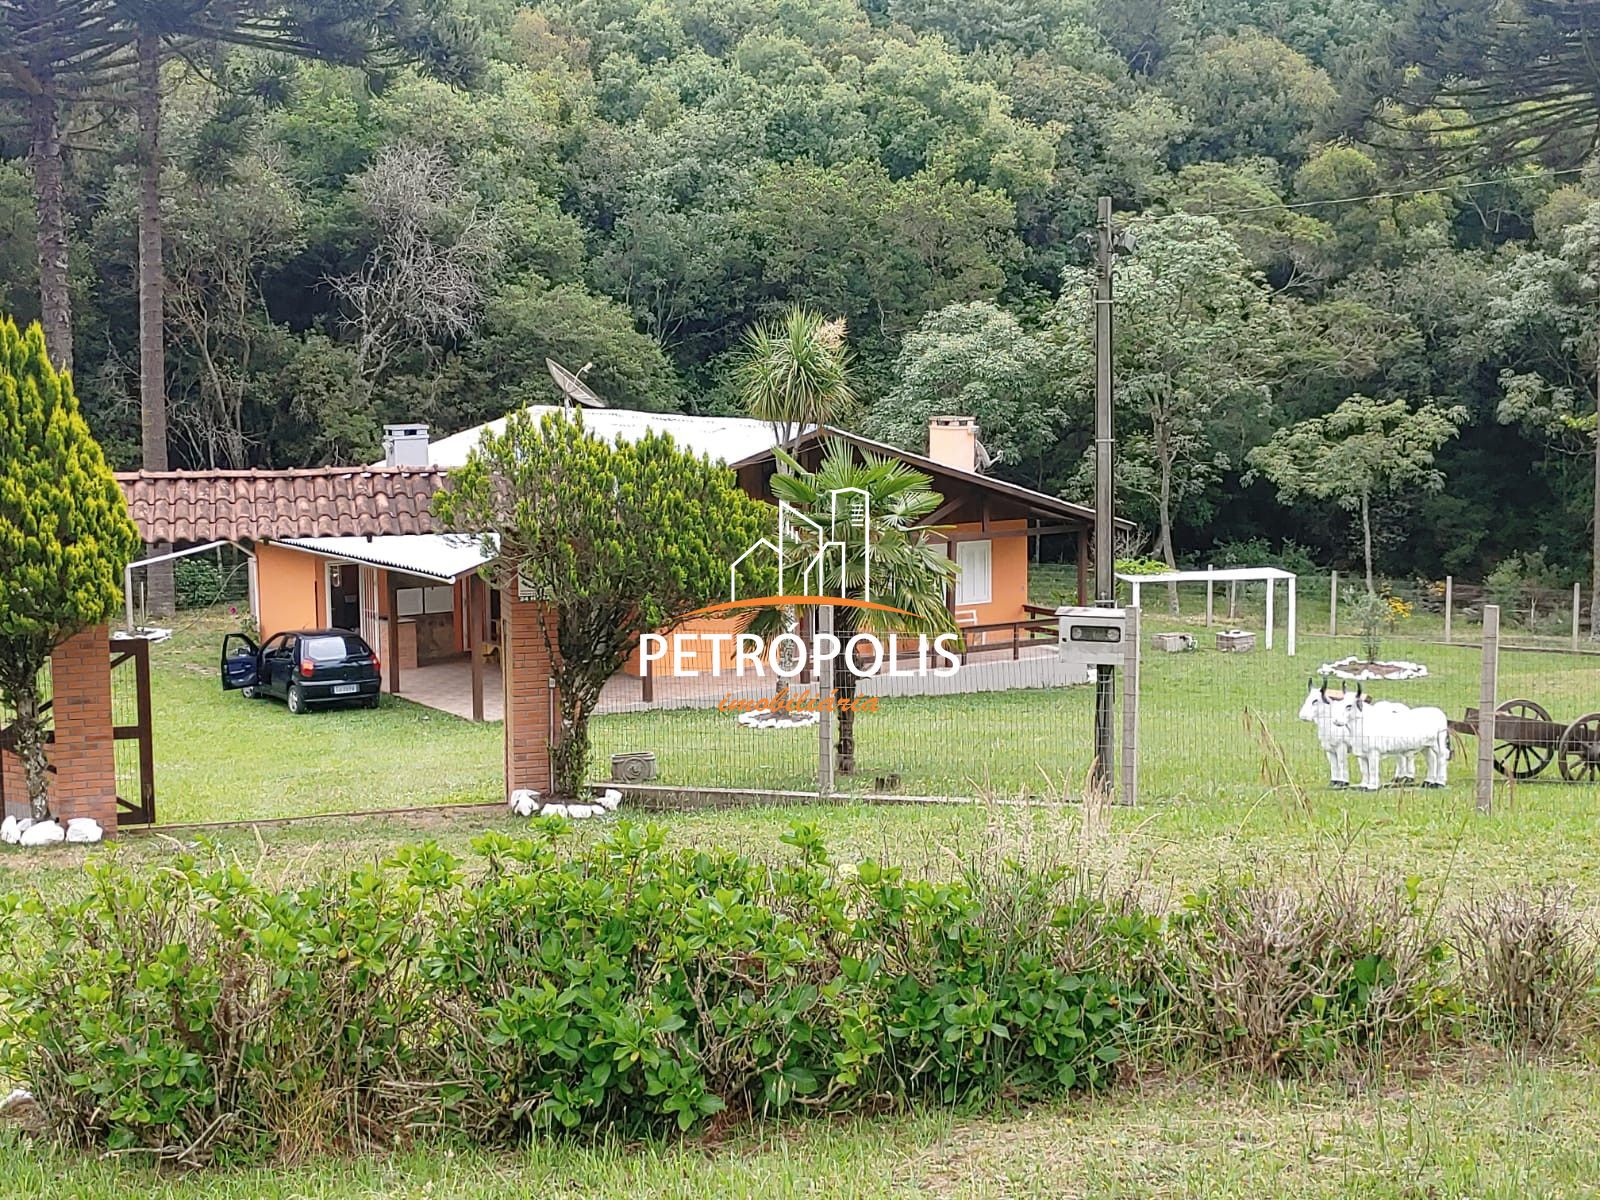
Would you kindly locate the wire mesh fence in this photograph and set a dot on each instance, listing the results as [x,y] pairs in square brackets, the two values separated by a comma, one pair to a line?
[998,727]
[1220,713]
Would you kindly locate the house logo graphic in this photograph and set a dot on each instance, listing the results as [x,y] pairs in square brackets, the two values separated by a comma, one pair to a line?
[804,545]
[817,565]
[812,559]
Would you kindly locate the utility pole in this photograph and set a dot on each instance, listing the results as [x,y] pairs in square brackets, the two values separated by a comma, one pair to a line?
[1105,594]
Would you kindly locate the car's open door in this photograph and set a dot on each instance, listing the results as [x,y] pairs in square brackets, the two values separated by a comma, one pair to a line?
[241,662]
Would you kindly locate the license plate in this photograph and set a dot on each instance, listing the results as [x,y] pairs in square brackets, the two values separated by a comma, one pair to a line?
[345,689]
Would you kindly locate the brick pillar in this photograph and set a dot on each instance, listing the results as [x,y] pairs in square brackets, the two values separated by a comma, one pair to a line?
[529,701]
[13,785]
[85,781]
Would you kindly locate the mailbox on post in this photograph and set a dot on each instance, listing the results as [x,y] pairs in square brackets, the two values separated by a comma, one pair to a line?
[1093,637]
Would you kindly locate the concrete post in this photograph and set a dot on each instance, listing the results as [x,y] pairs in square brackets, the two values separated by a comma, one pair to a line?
[1333,604]
[1129,792]
[1487,700]
[824,716]
[1292,614]
[1449,604]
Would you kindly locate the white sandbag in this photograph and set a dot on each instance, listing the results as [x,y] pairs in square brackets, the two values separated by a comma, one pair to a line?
[45,833]
[524,802]
[84,829]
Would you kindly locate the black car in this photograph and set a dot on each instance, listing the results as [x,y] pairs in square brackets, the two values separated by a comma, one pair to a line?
[311,666]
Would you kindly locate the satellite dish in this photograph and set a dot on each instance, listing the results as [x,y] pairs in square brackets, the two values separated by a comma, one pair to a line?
[573,390]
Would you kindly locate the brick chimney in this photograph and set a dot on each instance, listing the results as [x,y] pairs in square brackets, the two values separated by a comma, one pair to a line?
[405,445]
[953,442]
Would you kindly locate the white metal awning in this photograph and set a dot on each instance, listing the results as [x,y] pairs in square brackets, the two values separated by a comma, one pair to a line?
[442,556]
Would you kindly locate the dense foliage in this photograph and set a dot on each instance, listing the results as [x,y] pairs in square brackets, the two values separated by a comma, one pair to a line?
[65,535]
[636,185]
[620,537]
[196,1014]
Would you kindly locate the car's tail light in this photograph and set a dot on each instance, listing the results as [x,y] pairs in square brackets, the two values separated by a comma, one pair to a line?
[376,665]
[306,668]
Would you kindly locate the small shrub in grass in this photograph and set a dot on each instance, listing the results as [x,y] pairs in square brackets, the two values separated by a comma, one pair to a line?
[1528,963]
[196,1016]
[1284,980]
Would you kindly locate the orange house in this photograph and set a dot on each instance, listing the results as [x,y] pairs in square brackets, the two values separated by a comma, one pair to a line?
[357,547]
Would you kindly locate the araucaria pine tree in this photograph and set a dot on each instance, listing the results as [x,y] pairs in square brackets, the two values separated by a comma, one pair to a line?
[65,534]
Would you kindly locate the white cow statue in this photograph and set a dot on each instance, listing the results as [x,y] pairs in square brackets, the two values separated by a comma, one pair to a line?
[1372,730]
[1335,739]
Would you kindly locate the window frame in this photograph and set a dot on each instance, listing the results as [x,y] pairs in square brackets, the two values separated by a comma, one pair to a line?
[965,579]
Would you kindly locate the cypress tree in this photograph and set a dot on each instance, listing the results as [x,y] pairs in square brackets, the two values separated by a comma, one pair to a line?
[65,533]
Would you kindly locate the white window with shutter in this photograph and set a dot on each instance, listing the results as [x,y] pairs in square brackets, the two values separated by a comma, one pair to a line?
[973,565]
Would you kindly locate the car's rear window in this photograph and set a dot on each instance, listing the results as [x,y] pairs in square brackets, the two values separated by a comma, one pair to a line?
[333,648]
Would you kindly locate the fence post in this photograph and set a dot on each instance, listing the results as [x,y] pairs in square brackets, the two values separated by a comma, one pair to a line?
[1449,603]
[1487,701]
[1577,610]
[1130,711]
[1210,594]
[1333,604]
[824,715]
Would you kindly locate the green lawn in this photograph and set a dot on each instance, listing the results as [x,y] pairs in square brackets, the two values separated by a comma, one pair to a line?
[221,757]
[1471,1128]
[1486,1129]
[1210,794]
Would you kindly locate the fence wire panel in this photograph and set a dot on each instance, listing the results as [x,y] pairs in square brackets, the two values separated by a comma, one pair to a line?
[990,731]
[1219,712]
[998,737]
[698,741]
[1553,700]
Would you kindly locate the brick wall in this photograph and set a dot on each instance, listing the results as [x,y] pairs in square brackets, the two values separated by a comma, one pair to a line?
[85,779]
[529,701]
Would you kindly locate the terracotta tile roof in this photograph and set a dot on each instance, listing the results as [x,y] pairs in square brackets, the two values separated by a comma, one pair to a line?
[190,507]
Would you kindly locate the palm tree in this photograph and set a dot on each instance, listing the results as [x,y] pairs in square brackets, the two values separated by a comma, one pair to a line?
[910,570]
[796,372]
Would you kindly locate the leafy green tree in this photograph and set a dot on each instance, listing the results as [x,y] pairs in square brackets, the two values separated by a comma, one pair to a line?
[1366,448]
[1194,346]
[1251,94]
[1284,243]
[974,360]
[1546,312]
[65,534]
[910,569]
[795,372]
[620,538]
[526,320]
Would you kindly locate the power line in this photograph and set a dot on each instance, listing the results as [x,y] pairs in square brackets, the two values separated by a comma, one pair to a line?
[1395,194]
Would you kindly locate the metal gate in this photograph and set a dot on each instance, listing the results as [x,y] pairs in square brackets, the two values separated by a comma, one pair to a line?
[132,731]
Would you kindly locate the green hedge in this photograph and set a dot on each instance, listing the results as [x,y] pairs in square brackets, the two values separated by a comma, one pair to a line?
[197,1015]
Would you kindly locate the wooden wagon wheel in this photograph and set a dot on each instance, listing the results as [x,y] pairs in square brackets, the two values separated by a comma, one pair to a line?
[1521,760]
[1579,750]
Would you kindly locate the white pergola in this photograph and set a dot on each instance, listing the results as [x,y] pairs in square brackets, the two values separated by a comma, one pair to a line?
[1211,576]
